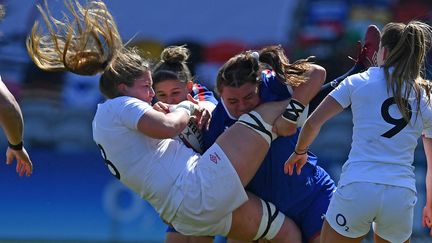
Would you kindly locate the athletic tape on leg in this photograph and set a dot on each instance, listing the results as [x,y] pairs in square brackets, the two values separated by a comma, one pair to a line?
[254,120]
[271,222]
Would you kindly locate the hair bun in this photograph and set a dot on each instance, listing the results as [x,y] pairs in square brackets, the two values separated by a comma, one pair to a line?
[175,54]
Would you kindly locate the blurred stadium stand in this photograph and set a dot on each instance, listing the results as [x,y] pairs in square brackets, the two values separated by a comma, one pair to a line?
[58,108]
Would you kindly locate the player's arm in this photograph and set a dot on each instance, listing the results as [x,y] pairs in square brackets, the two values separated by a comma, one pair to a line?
[207,101]
[204,95]
[326,110]
[12,124]
[427,210]
[287,124]
[158,124]
[304,93]
[10,116]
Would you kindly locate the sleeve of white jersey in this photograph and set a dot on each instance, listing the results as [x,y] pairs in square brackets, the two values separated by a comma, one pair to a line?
[342,93]
[131,111]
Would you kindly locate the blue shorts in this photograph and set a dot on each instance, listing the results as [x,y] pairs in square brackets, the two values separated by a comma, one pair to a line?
[304,198]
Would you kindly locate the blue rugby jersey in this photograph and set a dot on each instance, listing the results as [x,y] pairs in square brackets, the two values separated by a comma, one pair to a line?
[201,93]
[292,195]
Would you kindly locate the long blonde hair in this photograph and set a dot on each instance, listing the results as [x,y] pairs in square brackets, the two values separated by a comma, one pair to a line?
[87,42]
[408,45]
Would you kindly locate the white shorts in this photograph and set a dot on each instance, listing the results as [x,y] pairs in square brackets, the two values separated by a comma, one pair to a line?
[355,206]
[212,190]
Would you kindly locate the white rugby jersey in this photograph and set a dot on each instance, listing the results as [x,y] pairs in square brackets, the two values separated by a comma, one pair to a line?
[383,144]
[148,166]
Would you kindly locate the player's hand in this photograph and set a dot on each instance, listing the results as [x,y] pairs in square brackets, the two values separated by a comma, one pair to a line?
[202,115]
[427,218]
[297,160]
[24,164]
[284,128]
[162,107]
[204,121]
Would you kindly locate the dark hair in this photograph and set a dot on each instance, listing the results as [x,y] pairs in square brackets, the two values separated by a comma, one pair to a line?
[172,65]
[88,44]
[247,67]
[407,45]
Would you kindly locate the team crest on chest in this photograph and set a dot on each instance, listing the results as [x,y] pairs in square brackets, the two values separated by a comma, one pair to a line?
[214,157]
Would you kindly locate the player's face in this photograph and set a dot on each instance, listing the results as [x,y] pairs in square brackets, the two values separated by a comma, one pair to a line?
[141,89]
[240,100]
[171,91]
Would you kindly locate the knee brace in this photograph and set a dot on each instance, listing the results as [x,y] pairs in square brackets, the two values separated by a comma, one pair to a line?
[254,121]
[271,222]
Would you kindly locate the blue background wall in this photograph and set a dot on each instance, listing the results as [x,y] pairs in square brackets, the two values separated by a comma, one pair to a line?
[72,196]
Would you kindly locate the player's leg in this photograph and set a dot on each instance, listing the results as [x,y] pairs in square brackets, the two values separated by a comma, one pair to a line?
[351,212]
[247,141]
[365,59]
[173,236]
[378,239]
[257,241]
[257,219]
[242,147]
[329,235]
[368,52]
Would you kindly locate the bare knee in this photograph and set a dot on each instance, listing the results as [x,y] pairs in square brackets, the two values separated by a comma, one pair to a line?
[245,220]
[289,233]
[257,219]
[175,237]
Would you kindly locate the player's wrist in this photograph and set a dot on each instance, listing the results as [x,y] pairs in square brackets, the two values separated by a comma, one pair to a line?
[17,147]
[301,151]
[187,106]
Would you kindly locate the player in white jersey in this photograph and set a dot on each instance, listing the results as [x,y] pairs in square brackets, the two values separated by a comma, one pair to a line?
[198,195]
[391,107]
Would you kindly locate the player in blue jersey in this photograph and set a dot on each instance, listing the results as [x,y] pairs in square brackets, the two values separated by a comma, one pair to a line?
[173,81]
[243,83]
[378,178]
[303,198]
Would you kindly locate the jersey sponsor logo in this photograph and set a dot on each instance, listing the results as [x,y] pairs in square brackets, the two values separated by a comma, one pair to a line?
[214,157]
[341,221]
